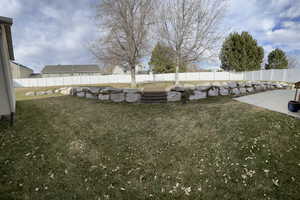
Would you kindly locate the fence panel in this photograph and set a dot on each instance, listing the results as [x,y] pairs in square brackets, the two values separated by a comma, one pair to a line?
[288,75]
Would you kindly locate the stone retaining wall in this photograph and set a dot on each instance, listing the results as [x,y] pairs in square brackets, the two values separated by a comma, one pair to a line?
[174,94]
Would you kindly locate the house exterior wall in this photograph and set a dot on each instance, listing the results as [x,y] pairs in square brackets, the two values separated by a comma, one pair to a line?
[19,71]
[7,96]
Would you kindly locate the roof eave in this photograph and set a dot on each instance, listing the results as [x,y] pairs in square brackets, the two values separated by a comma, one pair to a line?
[7,22]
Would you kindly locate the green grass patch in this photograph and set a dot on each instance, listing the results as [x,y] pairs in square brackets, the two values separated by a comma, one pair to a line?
[64,147]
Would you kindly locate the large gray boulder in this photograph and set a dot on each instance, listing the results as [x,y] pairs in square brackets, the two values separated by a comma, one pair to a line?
[241,84]
[110,90]
[213,92]
[235,91]
[30,94]
[232,84]
[91,96]
[258,88]
[224,91]
[198,95]
[178,89]
[49,92]
[40,93]
[249,89]
[243,90]
[131,90]
[248,84]
[133,97]
[174,96]
[117,97]
[93,90]
[202,88]
[66,91]
[104,97]
[80,94]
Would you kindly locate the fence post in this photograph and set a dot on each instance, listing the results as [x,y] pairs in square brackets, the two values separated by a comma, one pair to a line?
[284,75]
[261,75]
[214,75]
[272,74]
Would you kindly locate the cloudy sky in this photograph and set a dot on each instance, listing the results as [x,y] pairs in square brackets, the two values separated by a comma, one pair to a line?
[58,31]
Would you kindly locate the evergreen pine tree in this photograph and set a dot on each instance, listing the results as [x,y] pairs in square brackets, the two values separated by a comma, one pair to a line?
[240,52]
[277,60]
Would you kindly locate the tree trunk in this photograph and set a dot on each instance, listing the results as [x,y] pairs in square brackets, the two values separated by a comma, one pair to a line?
[132,73]
[177,75]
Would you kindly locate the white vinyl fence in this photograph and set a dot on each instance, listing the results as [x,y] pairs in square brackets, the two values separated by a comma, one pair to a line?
[286,75]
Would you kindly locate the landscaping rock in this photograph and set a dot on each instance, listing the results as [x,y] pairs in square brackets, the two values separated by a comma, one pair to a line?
[232,84]
[213,92]
[94,90]
[178,89]
[80,94]
[202,88]
[248,84]
[241,84]
[66,91]
[249,89]
[198,95]
[49,92]
[104,97]
[30,94]
[258,88]
[131,90]
[91,96]
[40,93]
[133,97]
[235,91]
[224,91]
[174,96]
[243,90]
[110,90]
[117,97]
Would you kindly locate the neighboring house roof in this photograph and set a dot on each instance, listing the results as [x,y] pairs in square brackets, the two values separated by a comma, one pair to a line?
[7,24]
[62,69]
[22,66]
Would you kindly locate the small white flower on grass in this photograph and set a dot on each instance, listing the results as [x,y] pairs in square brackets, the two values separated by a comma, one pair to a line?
[116,169]
[225,180]
[150,195]
[37,189]
[266,171]
[66,171]
[46,187]
[27,154]
[111,186]
[123,189]
[199,189]
[52,175]
[244,176]
[186,190]
[275,182]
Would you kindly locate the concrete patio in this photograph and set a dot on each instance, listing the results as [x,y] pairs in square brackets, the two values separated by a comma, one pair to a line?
[275,100]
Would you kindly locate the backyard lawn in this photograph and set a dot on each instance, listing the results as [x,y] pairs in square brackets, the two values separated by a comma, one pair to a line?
[64,147]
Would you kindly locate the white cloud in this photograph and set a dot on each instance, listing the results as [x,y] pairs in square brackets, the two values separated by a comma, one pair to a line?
[293,11]
[12,8]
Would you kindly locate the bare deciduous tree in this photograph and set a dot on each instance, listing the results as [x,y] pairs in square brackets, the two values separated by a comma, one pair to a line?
[190,28]
[124,25]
